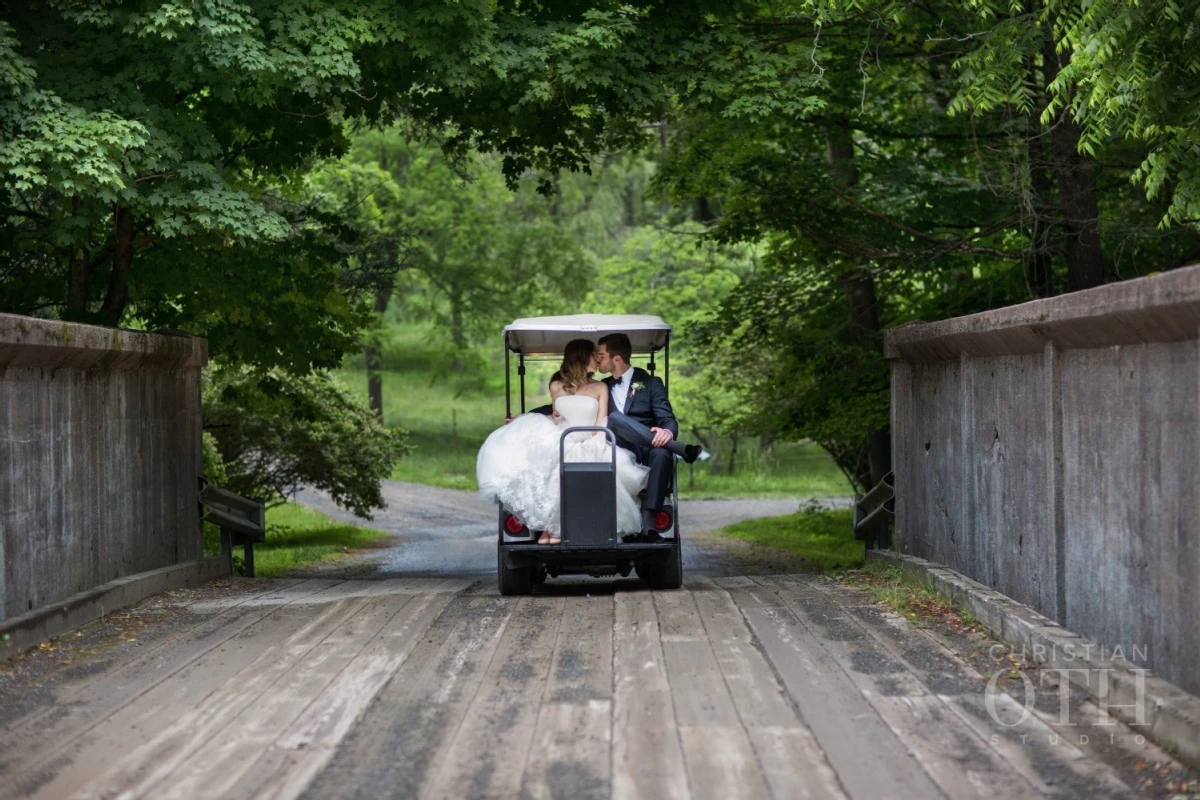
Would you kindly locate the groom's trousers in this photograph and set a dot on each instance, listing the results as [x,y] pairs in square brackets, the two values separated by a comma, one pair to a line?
[638,438]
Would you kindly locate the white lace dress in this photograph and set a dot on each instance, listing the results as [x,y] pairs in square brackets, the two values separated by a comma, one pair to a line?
[517,465]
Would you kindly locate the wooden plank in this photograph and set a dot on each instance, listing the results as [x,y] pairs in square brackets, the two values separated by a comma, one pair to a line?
[718,755]
[938,666]
[226,617]
[397,746]
[150,679]
[647,753]
[295,758]
[189,724]
[870,761]
[571,751]
[957,759]
[213,766]
[67,765]
[439,585]
[793,763]
[504,709]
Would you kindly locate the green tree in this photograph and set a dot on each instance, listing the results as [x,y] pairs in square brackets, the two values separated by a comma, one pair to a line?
[366,197]
[1115,73]
[478,253]
[275,433]
[148,156]
[152,155]
[683,277]
[877,199]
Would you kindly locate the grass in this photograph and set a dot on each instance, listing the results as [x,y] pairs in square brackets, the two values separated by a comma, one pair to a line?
[905,594]
[448,417]
[819,536]
[298,536]
[793,469]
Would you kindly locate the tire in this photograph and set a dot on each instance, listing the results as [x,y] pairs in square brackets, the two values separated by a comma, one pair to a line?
[664,575]
[513,580]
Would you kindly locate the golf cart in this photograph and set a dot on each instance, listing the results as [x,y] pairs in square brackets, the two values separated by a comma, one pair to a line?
[590,542]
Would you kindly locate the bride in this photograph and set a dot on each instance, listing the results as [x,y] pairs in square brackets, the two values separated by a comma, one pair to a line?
[518,463]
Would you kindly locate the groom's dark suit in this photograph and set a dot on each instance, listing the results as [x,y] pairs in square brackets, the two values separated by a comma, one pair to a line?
[646,407]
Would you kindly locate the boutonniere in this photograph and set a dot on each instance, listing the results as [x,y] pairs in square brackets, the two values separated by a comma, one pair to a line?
[637,387]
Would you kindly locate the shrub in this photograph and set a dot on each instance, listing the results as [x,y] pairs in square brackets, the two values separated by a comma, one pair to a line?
[276,432]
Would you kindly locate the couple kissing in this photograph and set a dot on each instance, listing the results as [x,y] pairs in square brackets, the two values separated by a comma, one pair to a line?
[518,464]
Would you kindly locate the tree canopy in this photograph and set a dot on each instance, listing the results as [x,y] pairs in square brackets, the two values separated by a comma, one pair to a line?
[212,167]
[153,157]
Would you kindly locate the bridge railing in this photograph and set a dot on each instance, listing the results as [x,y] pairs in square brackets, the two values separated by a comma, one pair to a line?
[1051,450]
[99,455]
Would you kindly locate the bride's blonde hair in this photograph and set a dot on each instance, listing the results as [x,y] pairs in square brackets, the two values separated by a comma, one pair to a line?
[574,374]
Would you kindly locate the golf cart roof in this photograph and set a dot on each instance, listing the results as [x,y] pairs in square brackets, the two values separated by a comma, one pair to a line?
[549,335]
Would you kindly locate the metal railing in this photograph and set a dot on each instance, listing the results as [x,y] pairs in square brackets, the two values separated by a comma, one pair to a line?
[874,511]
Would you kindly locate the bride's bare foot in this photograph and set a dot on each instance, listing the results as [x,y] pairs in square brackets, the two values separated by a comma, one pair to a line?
[545,538]
[555,540]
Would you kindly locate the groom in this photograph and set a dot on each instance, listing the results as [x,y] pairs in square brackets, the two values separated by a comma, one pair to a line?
[641,419]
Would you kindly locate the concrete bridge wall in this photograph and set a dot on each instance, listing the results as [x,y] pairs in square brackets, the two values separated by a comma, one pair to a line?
[99,456]
[1051,450]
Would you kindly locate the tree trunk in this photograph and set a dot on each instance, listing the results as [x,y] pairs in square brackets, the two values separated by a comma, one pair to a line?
[862,305]
[1041,253]
[457,332]
[79,269]
[1076,189]
[664,201]
[77,285]
[117,296]
[864,327]
[628,206]
[374,356]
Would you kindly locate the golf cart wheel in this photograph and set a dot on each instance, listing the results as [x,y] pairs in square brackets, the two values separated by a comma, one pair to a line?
[513,580]
[666,574]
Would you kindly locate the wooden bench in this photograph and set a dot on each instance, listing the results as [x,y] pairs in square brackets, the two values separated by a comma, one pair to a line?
[242,521]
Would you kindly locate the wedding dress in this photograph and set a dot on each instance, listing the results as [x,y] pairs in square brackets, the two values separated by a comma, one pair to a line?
[518,465]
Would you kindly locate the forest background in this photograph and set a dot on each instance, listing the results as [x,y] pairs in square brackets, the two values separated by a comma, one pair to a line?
[331,189]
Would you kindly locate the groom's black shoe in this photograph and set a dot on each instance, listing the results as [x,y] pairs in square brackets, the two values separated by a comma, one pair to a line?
[691,453]
[652,537]
[632,538]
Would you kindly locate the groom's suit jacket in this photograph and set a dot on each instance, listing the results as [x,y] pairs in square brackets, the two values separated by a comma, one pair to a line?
[649,404]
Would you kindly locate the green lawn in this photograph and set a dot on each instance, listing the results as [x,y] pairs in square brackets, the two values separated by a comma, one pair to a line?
[821,537]
[448,418]
[298,536]
[440,459]
[800,469]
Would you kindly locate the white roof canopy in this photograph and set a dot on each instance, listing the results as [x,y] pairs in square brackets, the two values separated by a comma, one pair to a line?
[549,335]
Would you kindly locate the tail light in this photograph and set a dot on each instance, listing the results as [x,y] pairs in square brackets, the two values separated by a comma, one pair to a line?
[662,520]
[514,526]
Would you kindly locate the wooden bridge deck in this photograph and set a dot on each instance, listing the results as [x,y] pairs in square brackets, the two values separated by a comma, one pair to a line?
[788,686]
